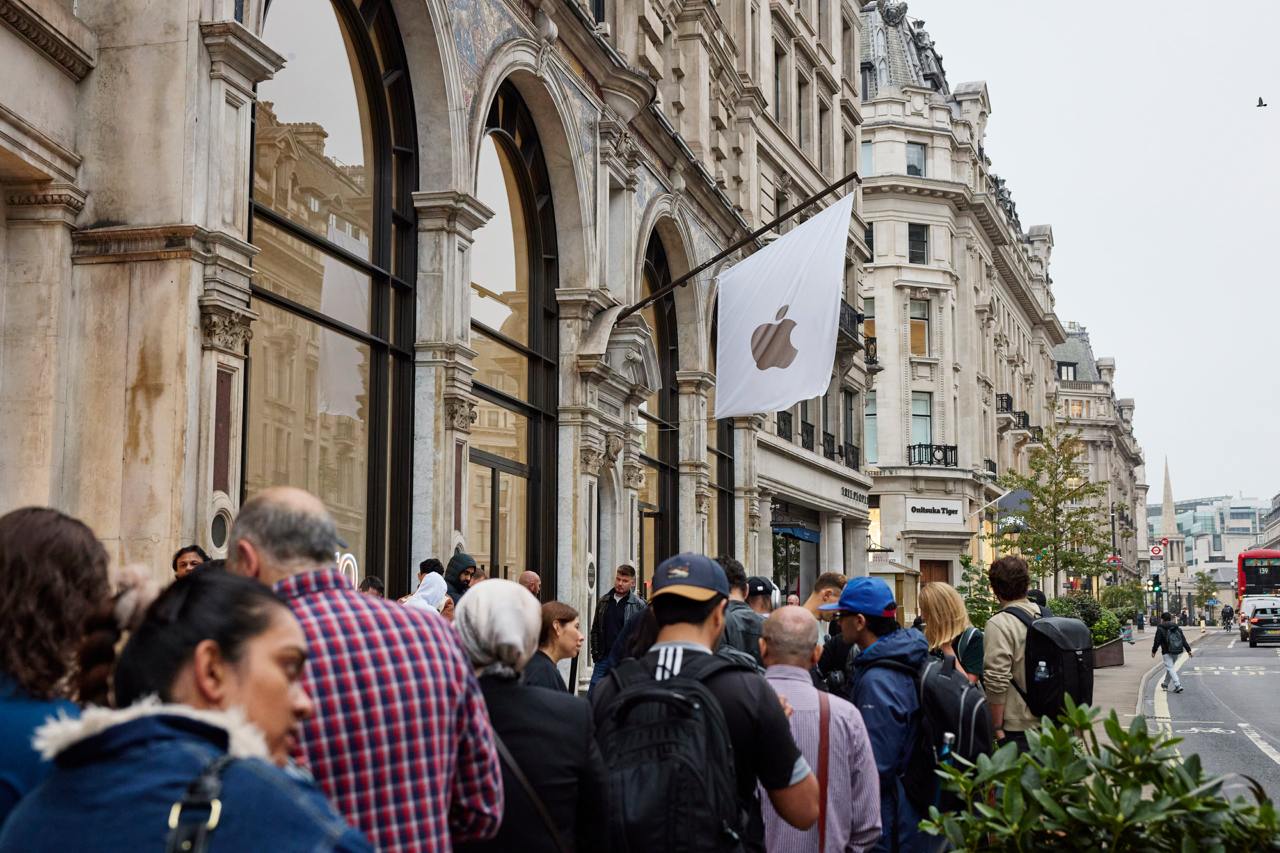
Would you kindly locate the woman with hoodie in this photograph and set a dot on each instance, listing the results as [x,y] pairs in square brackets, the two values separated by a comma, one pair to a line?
[208,704]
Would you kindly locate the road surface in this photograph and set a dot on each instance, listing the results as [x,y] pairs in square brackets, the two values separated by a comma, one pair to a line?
[1229,710]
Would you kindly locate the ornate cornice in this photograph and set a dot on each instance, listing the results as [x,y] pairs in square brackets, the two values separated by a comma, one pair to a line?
[238,56]
[56,195]
[51,38]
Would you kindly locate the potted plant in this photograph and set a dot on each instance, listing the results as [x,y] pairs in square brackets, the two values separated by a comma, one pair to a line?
[1108,646]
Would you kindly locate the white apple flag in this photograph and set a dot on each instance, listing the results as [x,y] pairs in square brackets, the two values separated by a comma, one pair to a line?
[778,317]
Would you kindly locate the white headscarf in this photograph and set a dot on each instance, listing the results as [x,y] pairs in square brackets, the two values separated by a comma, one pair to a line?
[499,622]
[430,593]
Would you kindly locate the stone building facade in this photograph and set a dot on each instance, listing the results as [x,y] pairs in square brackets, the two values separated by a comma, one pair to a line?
[1087,404]
[379,249]
[959,306]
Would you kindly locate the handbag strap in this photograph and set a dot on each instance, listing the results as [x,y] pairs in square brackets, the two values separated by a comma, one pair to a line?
[824,726]
[539,806]
[202,797]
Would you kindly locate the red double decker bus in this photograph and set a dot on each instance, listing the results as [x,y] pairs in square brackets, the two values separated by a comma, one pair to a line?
[1259,573]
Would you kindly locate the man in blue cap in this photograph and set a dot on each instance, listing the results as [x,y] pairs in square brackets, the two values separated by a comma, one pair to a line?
[884,690]
[689,594]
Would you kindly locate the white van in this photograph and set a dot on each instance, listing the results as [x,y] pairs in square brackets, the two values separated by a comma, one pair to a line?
[1250,603]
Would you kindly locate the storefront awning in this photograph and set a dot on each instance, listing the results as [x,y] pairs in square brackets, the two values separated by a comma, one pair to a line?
[804,534]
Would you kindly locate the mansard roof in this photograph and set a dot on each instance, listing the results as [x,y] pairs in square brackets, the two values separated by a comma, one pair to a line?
[1078,351]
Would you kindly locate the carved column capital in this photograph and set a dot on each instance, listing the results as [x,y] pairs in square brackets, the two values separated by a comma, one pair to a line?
[460,413]
[592,458]
[613,445]
[226,328]
[633,475]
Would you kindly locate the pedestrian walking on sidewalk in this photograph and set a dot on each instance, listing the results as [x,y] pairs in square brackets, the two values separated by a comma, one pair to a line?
[1171,642]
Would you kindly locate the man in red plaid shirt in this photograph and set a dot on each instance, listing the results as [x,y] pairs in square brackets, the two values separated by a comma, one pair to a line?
[401,741]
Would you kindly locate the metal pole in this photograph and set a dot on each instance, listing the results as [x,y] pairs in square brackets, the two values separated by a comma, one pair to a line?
[762,230]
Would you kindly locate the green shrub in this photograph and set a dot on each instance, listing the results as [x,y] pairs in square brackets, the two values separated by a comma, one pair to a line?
[1107,628]
[1079,605]
[1071,792]
[1127,614]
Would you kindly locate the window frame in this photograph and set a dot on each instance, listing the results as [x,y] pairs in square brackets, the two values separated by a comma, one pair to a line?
[922,169]
[917,243]
[381,73]
[924,320]
[666,466]
[925,397]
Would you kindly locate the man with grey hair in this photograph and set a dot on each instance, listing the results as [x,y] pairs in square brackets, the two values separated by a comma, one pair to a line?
[833,739]
[395,696]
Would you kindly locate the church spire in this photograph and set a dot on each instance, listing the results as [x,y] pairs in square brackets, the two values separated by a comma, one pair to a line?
[1168,514]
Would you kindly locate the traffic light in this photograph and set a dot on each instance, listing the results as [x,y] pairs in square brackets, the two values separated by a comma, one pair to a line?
[1156,586]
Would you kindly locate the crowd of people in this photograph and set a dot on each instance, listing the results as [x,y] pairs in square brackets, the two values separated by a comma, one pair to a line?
[265,703]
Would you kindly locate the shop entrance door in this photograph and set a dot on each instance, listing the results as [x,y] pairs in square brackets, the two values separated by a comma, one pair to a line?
[935,570]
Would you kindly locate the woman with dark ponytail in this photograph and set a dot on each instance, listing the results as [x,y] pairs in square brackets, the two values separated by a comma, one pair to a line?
[53,576]
[207,701]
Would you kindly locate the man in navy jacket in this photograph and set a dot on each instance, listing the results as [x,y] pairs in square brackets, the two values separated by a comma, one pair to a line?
[886,695]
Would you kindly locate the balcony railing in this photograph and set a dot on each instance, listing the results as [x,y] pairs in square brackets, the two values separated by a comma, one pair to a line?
[1004,404]
[806,436]
[871,355]
[943,455]
[784,425]
[852,456]
[1021,420]
[828,445]
[1037,435]
[991,467]
[847,332]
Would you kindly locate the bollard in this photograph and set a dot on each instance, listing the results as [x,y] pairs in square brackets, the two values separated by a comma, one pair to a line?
[1202,628]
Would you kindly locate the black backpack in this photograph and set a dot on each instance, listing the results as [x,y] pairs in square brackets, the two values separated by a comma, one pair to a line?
[1175,641]
[671,781]
[1059,662]
[949,704]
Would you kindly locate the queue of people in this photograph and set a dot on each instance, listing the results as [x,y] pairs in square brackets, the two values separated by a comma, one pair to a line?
[265,701]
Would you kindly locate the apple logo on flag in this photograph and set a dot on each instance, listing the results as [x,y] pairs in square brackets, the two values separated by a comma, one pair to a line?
[771,343]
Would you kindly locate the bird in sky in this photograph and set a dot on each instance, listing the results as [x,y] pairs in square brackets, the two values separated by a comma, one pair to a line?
[1261,102]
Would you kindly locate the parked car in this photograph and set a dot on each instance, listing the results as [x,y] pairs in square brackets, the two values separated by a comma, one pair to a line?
[1248,605]
[1264,626]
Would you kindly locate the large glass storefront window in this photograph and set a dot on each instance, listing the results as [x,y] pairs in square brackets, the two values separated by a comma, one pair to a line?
[511,471]
[330,367]
[659,418]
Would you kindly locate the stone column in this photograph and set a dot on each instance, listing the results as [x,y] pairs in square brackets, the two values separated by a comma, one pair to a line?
[855,547]
[832,543]
[36,351]
[444,407]
[694,480]
[764,539]
[746,523]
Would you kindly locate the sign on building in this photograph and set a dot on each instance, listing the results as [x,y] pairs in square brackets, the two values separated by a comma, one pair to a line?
[935,512]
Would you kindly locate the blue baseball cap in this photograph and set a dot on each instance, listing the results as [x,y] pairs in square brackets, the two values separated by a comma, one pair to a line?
[868,596]
[692,576]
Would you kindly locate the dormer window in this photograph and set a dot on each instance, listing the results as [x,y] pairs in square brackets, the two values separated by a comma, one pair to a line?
[1067,371]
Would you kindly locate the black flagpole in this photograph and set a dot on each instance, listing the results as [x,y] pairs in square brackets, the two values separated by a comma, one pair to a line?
[763,229]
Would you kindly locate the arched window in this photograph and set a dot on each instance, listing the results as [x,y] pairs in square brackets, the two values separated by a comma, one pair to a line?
[329,398]
[512,467]
[660,420]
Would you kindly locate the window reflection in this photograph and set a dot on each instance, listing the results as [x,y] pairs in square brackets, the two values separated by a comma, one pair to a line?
[308,395]
[301,272]
[312,149]
[500,253]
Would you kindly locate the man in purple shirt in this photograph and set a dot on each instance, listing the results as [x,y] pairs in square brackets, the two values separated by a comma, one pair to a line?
[789,647]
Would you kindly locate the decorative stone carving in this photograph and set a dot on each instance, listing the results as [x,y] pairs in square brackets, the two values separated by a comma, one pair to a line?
[633,475]
[702,499]
[46,195]
[226,330]
[460,413]
[592,458]
[613,444]
[51,38]
[892,13]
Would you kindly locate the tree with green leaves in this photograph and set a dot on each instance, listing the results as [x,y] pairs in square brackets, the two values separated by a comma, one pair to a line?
[1063,527]
[1205,590]
[975,588]
[1123,595]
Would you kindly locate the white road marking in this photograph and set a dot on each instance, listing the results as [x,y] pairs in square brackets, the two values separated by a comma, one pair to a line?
[1194,730]
[1231,645]
[1267,749]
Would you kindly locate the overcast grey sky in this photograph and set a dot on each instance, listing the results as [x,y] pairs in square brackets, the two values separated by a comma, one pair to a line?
[1131,128]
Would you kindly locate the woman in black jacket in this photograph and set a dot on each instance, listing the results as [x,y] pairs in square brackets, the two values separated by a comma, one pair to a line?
[547,734]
